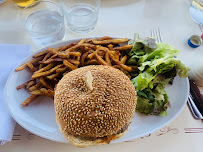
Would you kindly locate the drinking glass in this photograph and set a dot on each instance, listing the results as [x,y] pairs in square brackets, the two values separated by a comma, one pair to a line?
[44,22]
[196,11]
[81,15]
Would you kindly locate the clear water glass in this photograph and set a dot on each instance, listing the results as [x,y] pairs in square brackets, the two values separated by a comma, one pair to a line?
[81,15]
[44,22]
[196,11]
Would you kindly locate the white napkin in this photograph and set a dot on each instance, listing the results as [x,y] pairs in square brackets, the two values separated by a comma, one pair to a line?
[10,56]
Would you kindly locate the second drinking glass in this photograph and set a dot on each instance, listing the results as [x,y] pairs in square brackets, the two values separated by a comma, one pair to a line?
[81,15]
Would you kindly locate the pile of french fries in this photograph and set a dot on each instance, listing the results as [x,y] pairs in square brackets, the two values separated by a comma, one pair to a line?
[49,66]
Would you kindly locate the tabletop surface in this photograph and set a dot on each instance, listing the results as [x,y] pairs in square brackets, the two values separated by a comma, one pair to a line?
[119,18]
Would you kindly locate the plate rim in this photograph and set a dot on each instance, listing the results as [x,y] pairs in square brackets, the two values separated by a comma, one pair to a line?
[62,43]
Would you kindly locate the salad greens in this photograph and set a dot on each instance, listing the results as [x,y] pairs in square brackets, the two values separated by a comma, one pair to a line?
[158,65]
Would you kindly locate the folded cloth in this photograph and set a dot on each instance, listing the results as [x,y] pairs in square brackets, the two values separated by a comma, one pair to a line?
[10,56]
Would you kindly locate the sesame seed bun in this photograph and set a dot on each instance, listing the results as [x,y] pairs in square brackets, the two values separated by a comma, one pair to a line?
[88,117]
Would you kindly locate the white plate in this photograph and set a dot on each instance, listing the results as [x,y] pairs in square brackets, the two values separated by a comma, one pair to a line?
[39,117]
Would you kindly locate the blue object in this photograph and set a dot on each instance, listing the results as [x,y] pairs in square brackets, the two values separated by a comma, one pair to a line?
[194,41]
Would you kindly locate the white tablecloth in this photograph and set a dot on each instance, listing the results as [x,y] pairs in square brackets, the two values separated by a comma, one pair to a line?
[122,18]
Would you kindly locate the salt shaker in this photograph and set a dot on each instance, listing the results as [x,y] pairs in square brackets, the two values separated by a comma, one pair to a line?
[196,72]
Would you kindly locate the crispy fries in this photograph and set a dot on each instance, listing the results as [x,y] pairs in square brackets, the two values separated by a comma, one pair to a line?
[123,60]
[35,87]
[23,85]
[45,83]
[25,65]
[124,47]
[29,100]
[49,66]
[43,92]
[41,74]
[69,65]
[110,41]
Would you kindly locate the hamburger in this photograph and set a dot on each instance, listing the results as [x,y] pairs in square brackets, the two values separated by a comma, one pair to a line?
[94,105]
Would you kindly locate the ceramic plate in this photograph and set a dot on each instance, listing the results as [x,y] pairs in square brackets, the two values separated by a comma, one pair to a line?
[39,116]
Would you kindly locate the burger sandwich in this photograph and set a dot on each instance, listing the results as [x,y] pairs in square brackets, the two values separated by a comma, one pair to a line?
[94,105]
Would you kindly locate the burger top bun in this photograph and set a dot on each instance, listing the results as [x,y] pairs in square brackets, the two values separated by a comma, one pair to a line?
[98,112]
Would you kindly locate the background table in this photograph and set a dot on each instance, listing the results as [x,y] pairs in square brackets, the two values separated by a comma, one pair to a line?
[122,18]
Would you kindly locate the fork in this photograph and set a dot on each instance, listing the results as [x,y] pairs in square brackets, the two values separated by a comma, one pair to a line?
[155,32]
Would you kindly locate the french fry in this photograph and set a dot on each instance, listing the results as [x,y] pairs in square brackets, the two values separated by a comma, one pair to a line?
[73,48]
[82,41]
[62,69]
[117,66]
[23,85]
[49,66]
[113,41]
[40,54]
[30,65]
[125,67]
[90,56]
[116,55]
[51,60]
[123,59]
[100,39]
[107,58]
[28,100]
[63,55]
[36,92]
[51,92]
[124,47]
[43,92]
[80,45]
[105,38]
[74,53]
[101,61]
[25,65]
[45,73]
[74,61]
[35,87]
[44,83]
[82,60]
[100,48]
[110,46]
[45,58]
[69,65]
[30,84]
[50,77]
[89,46]
[92,62]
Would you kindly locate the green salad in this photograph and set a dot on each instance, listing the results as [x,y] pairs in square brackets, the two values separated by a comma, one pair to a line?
[157,66]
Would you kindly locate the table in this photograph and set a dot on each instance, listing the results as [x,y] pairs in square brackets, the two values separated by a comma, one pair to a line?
[121,18]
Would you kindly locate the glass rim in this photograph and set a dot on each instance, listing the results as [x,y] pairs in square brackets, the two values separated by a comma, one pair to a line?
[32,5]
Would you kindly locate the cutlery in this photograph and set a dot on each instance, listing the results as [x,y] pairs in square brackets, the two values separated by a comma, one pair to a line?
[155,32]
[194,108]
[195,100]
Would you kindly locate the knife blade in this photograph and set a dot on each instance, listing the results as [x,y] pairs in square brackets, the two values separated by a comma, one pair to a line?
[196,96]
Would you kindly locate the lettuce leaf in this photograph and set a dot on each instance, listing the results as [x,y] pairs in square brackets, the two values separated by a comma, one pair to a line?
[157,64]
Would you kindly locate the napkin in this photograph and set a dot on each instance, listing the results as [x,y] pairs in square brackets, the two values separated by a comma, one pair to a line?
[10,56]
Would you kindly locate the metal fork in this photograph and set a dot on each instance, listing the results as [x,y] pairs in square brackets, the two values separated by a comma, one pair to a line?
[155,32]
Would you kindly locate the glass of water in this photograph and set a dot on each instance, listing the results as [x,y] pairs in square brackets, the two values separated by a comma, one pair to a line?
[196,11]
[44,22]
[81,15]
